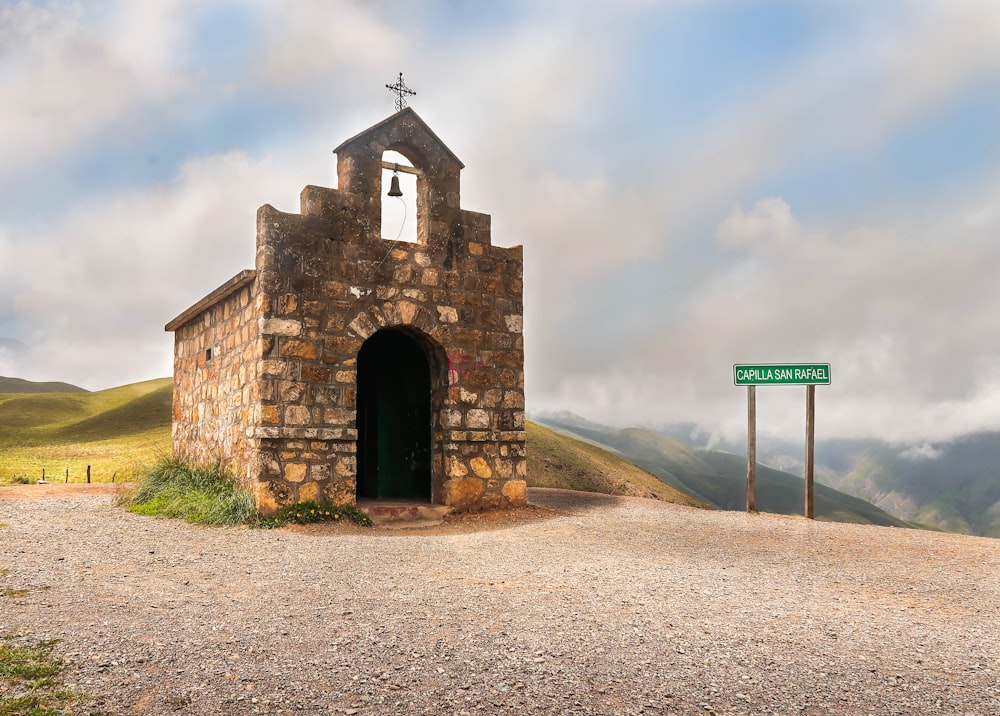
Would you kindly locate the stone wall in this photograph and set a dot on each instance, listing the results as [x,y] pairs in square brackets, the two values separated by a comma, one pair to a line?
[278,400]
[216,382]
[324,294]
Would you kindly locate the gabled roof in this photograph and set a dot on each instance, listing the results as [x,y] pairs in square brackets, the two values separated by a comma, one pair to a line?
[221,293]
[405,112]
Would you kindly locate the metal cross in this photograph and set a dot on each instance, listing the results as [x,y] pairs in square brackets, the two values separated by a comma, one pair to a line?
[401,90]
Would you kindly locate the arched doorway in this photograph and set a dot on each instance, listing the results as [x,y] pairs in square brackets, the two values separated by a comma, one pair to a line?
[394,418]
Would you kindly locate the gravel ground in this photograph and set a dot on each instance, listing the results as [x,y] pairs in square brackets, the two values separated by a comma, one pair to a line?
[606,606]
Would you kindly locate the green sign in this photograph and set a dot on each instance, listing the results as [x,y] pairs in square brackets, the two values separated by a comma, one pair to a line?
[782,374]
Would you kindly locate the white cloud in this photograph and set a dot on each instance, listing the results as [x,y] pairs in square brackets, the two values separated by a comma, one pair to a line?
[310,42]
[770,223]
[898,302]
[903,315]
[94,291]
[67,76]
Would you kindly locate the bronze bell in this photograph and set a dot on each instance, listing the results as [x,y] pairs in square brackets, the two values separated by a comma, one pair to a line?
[394,189]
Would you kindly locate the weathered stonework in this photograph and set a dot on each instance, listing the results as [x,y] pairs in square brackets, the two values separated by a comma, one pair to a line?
[277,400]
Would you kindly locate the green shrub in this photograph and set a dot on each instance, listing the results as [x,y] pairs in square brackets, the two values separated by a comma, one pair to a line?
[213,497]
[21,480]
[208,496]
[306,513]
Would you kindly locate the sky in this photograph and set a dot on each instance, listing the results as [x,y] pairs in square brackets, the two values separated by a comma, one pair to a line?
[696,183]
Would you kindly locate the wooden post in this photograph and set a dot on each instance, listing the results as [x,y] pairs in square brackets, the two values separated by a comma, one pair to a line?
[810,444]
[113,475]
[67,475]
[88,474]
[43,474]
[751,449]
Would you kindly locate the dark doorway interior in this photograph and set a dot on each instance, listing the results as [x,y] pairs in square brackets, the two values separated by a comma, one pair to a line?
[394,418]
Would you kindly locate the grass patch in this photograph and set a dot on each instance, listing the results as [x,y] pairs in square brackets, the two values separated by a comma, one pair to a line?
[119,432]
[306,513]
[207,496]
[29,684]
[212,496]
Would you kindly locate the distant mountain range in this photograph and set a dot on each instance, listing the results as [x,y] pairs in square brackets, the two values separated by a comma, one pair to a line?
[719,478]
[952,486]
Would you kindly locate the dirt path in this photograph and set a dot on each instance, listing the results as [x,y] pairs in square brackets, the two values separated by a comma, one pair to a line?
[594,605]
[36,491]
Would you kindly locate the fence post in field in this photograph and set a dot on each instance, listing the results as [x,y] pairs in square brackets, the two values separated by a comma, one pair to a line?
[88,474]
[67,475]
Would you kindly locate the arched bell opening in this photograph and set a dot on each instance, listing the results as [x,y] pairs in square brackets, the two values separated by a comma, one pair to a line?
[399,396]
[398,198]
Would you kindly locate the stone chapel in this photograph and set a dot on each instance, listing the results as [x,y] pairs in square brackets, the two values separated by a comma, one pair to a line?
[347,366]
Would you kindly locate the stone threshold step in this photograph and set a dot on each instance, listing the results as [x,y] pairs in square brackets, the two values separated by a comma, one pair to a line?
[400,514]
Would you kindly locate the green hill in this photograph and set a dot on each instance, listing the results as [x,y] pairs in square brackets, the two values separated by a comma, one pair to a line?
[719,478]
[557,460]
[115,431]
[119,430]
[18,385]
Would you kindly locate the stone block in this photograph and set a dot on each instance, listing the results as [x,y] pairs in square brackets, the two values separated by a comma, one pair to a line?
[467,396]
[447,314]
[310,492]
[295,471]
[516,492]
[290,391]
[315,373]
[490,501]
[273,366]
[271,496]
[297,415]
[299,349]
[319,472]
[429,277]
[514,322]
[279,326]
[480,467]
[270,414]
[463,493]
[455,467]
[288,303]
[362,325]
[340,492]
[513,399]
[477,418]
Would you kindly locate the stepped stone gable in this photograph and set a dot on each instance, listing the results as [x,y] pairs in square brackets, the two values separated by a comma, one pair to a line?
[266,368]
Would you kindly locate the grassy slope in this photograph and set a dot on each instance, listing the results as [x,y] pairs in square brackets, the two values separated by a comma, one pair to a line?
[123,429]
[556,460]
[19,385]
[720,478]
[116,431]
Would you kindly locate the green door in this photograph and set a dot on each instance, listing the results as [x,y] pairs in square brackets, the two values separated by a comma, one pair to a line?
[394,418]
